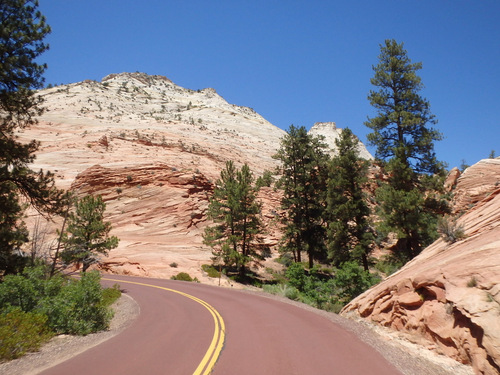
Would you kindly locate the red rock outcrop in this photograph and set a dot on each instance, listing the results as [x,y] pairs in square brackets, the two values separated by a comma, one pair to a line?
[448,297]
[451,179]
[153,150]
[475,184]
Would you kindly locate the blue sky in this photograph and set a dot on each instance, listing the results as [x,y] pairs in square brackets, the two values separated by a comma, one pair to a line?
[295,62]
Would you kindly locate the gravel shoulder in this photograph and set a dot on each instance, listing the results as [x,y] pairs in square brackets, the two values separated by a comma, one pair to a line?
[410,359]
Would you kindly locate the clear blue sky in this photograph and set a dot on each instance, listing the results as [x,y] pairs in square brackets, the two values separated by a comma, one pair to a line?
[295,62]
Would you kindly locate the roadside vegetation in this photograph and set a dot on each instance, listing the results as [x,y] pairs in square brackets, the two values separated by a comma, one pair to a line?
[184,276]
[34,307]
[37,300]
[324,288]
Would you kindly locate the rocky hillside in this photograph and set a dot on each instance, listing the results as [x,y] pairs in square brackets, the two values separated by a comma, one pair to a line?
[448,298]
[153,150]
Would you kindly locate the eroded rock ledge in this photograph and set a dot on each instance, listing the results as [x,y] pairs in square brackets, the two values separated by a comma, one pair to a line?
[448,298]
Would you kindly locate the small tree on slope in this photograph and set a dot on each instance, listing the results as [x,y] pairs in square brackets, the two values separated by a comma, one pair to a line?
[87,235]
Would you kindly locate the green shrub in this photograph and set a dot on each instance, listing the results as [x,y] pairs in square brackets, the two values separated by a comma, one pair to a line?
[333,306]
[270,288]
[284,290]
[18,291]
[210,270]
[472,283]
[78,308]
[26,290]
[183,276]
[308,300]
[450,231]
[489,297]
[21,332]
[296,275]
[111,295]
[352,280]
[319,293]
[173,265]
[316,288]
[289,292]
[71,306]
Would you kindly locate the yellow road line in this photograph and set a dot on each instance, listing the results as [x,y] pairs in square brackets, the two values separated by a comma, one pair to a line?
[207,363]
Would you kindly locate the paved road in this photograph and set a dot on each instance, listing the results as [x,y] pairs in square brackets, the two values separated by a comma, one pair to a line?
[179,331]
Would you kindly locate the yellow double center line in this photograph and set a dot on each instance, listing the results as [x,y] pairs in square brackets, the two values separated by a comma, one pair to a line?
[208,362]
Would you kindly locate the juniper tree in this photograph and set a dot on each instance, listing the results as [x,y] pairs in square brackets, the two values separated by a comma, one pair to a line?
[350,236]
[404,139]
[237,228]
[303,180]
[22,30]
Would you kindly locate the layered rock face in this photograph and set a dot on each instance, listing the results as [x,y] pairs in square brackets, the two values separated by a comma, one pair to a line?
[136,118]
[153,150]
[448,297]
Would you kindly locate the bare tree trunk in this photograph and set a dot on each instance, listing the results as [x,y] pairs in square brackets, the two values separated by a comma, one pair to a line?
[38,235]
[364,259]
[56,255]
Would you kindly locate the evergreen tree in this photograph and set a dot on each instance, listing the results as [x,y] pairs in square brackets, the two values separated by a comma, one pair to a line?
[349,233]
[249,225]
[87,235]
[404,138]
[234,208]
[22,30]
[13,232]
[303,180]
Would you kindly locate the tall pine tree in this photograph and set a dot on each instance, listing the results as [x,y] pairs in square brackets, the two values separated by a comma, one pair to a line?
[404,139]
[22,30]
[303,180]
[350,236]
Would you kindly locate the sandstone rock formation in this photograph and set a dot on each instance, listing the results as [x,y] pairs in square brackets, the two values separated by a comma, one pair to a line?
[448,297]
[153,150]
[331,133]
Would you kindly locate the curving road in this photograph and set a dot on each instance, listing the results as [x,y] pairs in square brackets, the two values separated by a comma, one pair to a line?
[187,328]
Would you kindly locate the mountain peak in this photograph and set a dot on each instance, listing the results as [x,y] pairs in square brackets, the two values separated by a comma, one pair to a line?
[331,133]
[137,76]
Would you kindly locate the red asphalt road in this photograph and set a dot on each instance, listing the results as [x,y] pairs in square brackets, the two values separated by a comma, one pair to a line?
[263,336]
